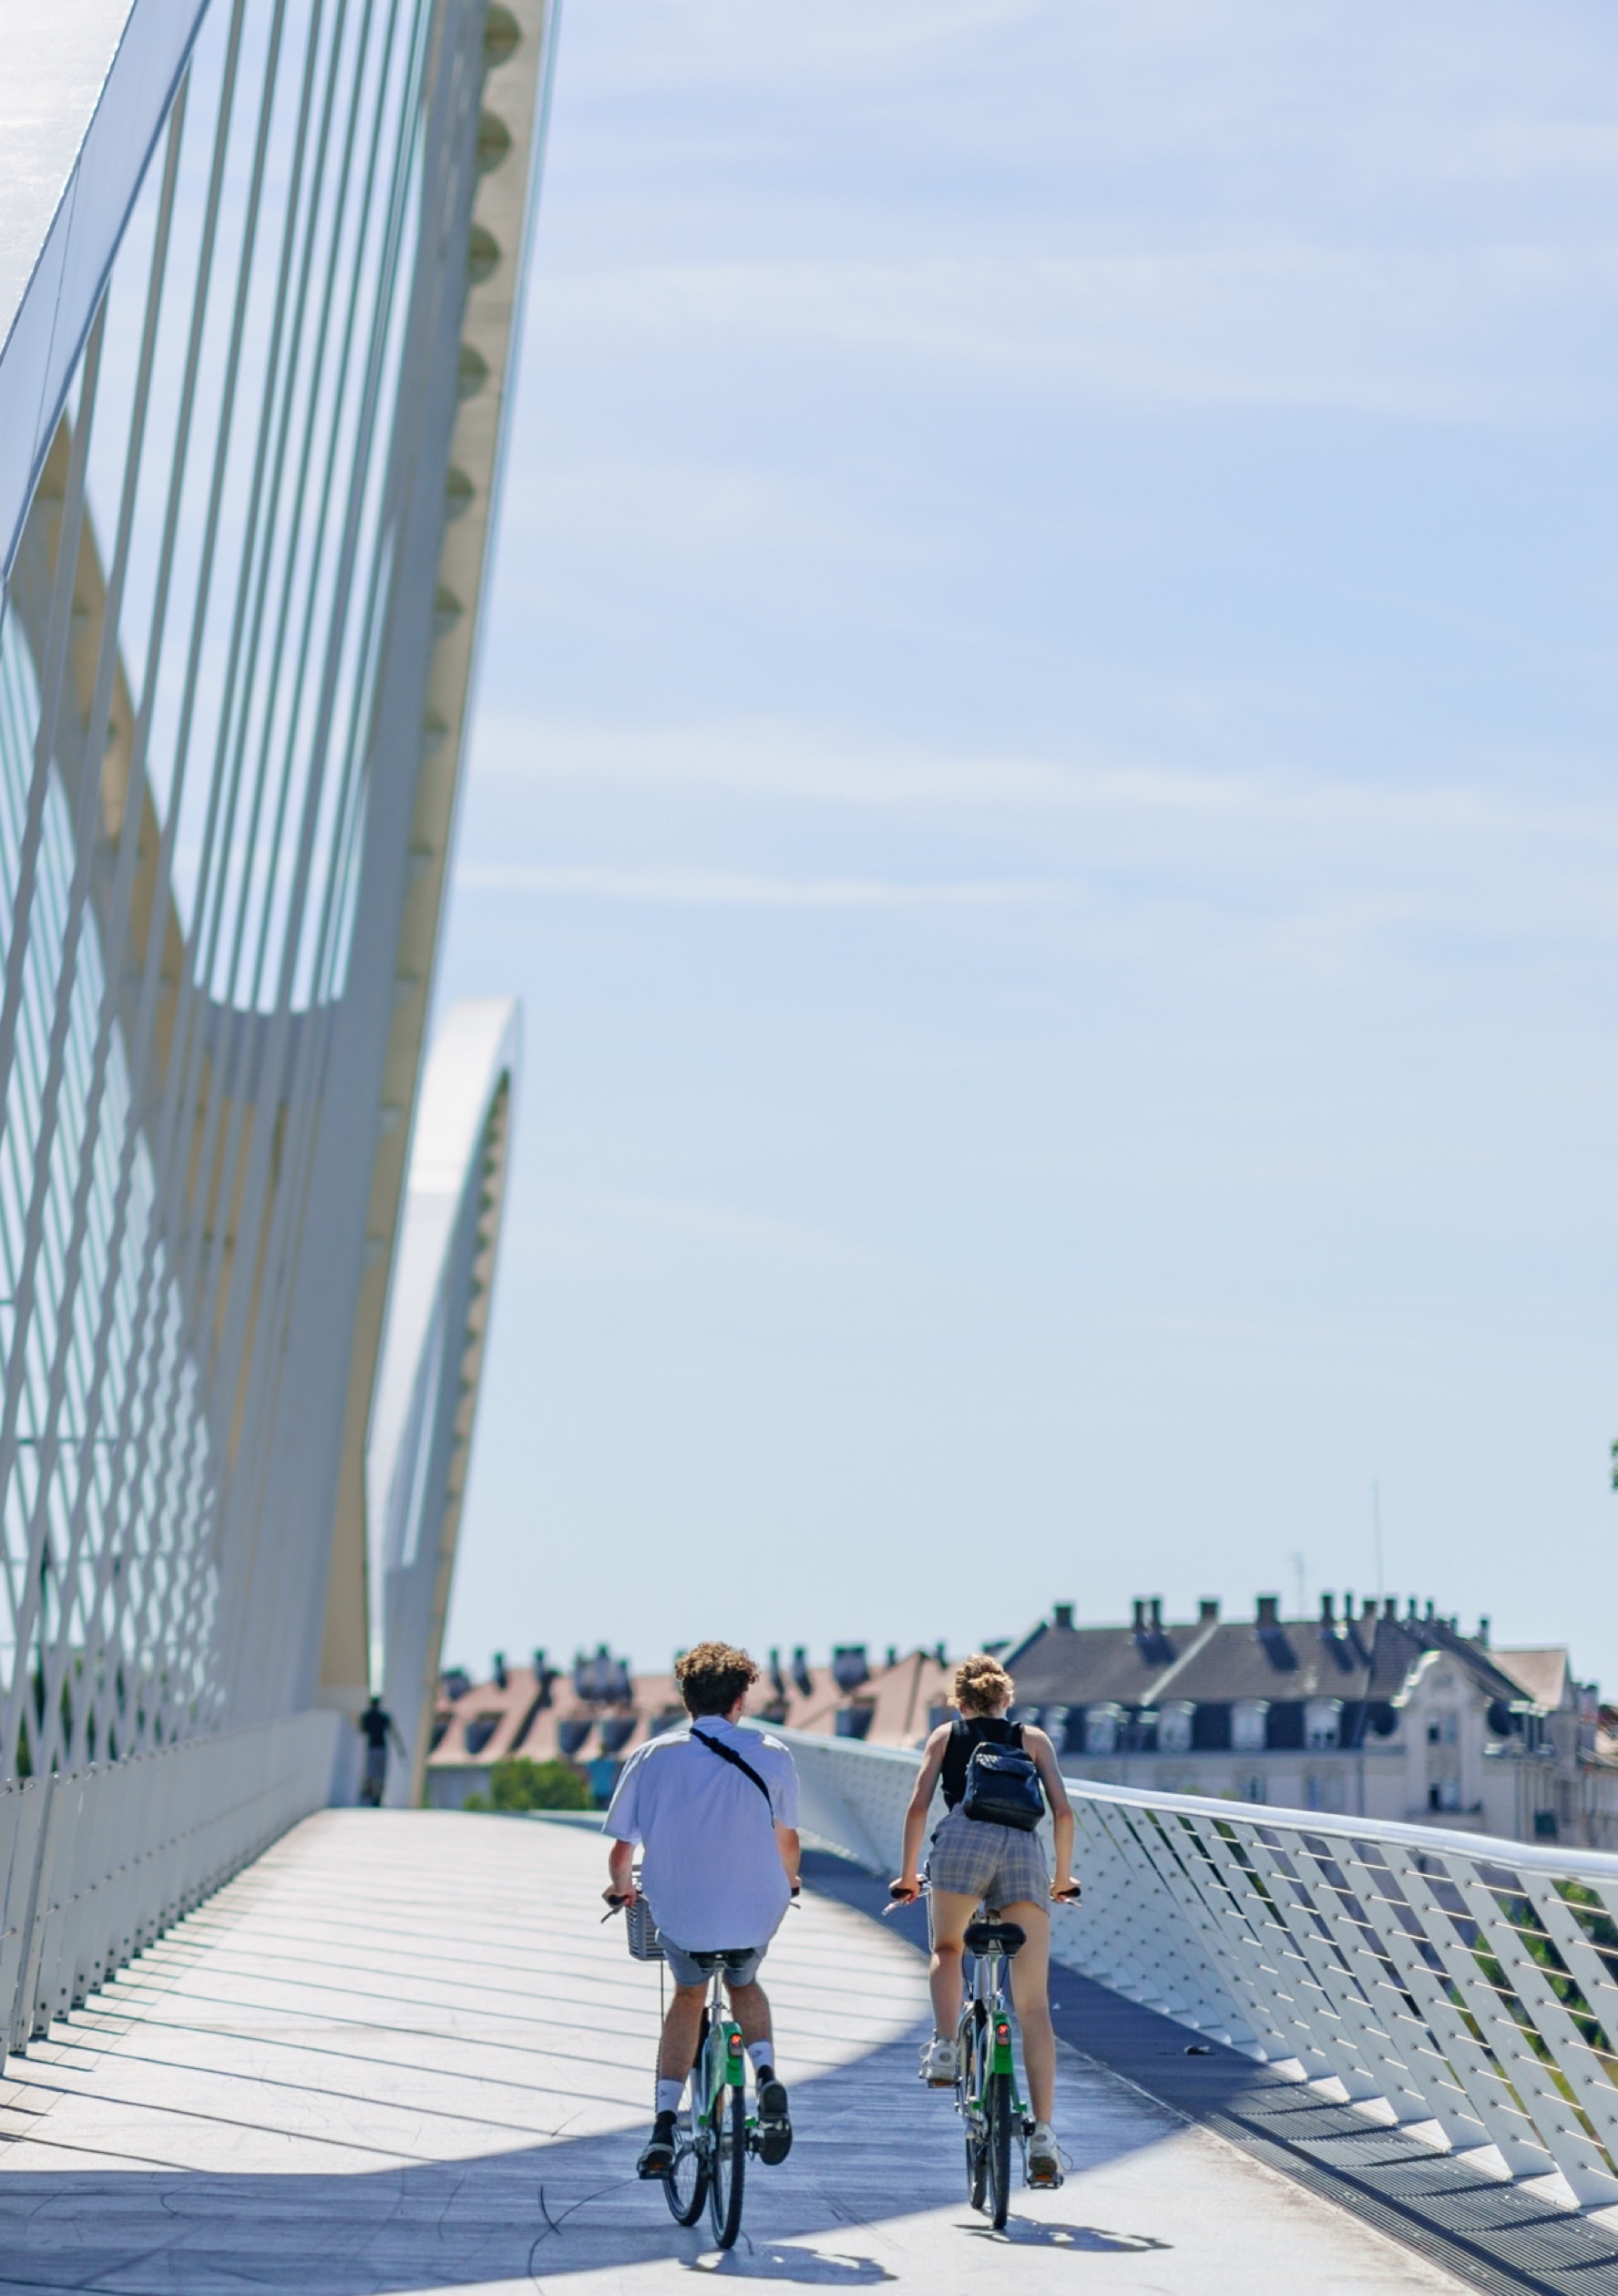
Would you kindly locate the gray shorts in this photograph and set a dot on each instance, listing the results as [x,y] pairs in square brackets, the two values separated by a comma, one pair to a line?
[741,1962]
[1001,1864]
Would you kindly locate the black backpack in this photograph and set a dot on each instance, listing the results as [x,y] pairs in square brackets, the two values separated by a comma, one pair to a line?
[1003,1787]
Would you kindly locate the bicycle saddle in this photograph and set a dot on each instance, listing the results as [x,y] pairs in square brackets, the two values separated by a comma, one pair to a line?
[995,1937]
[732,1956]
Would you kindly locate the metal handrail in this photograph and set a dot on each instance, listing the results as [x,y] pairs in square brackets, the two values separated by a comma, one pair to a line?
[1458,1986]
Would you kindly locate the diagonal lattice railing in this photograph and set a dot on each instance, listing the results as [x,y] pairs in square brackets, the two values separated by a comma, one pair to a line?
[1462,1989]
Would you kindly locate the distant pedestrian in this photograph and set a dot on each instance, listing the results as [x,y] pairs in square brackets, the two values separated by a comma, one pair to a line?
[377,1729]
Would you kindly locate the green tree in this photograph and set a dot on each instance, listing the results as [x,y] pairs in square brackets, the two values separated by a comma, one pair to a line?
[521,1784]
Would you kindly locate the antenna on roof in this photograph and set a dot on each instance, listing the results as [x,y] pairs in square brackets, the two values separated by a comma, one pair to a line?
[1377,1534]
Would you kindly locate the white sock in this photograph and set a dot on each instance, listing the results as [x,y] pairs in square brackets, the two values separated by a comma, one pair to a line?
[669,2094]
[760,2055]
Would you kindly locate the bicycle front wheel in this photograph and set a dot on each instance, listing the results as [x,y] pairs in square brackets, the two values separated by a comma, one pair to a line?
[685,2187]
[997,2146]
[725,2165]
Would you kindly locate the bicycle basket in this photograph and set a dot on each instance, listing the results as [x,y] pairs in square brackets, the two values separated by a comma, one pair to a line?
[645,1943]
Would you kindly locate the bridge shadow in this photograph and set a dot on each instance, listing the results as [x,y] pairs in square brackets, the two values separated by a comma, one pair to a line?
[863,2164]
[871,2154]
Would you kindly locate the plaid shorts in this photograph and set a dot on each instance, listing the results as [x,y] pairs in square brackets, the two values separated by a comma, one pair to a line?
[1001,1864]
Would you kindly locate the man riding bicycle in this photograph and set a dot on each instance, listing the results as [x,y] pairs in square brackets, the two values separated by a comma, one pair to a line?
[714,1812]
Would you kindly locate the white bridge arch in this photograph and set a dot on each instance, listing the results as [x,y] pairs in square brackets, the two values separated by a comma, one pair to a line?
[260,271]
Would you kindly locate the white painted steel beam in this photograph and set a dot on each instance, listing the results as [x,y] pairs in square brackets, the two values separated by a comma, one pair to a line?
[432,1363]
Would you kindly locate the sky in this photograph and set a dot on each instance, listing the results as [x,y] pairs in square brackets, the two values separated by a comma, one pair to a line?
[1043,773]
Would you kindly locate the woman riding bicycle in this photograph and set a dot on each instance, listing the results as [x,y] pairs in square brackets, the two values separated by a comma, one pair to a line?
[976,1861]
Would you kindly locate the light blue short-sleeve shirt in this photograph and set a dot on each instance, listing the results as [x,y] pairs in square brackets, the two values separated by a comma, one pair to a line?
[709,1867]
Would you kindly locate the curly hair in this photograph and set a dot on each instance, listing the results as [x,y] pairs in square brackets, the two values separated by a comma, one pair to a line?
[981,1684]
[712,1677]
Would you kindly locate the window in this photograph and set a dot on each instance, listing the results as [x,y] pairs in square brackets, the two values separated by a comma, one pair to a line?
[1253,1788]
[1173,1729]
[1444,1793]
[1443,1729]
[1322,1723]
[1100,1731]
[1247,1728]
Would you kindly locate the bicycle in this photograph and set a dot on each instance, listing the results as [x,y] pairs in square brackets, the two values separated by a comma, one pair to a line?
[714,2132]
[986,2091]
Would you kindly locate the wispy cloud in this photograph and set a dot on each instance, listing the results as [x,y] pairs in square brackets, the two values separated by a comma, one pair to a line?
[1443,333]
[771,759]
[720,888]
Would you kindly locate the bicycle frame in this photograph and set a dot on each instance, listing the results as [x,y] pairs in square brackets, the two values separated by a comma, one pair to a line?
[988,1994]
[723,2062]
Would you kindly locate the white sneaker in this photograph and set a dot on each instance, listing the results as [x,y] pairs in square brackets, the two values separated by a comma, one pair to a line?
[1044,2160]
[940,2063]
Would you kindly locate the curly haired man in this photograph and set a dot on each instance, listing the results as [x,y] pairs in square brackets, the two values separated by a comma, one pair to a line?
[714,1810]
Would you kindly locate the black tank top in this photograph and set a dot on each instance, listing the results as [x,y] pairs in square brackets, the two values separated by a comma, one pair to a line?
[978,1729]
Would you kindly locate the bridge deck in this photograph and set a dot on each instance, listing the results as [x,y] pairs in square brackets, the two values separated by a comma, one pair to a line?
[401,2053]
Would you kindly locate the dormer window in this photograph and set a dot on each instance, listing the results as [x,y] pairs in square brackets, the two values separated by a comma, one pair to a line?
[1323,1724]
[1100,1729]
[1248,1725]
[1174,1726]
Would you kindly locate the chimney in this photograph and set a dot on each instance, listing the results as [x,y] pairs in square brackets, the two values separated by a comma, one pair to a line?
[1368,1609]
[1483,1633]
[1269,1609]
[1157,1614]
[893,1653]
[1390,1607]
[499,1670]
[1410,1612]
[1329,1611]
[1208,1611]
[1429,1610]
[1140,1615]
[938,1655]
[1348,1610]
[1061,1618]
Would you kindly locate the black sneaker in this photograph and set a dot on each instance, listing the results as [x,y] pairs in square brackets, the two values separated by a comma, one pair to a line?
[774,2128]
[657,2156]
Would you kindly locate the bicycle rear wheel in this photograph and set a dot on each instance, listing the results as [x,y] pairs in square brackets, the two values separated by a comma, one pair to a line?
[725,2165]
[997,2146]
[968,2087]
[685,2187]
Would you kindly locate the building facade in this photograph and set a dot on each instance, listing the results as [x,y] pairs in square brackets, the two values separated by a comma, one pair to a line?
[1361,1710]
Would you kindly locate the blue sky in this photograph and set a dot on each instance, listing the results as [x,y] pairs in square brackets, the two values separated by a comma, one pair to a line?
[1044,773]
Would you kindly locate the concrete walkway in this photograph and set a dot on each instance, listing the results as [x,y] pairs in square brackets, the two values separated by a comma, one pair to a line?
[402,2052]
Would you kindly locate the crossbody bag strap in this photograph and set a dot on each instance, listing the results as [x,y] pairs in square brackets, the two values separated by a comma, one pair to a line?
[729,1754]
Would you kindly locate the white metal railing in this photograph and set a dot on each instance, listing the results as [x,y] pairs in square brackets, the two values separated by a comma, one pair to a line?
[98,1862]
[1461,1988]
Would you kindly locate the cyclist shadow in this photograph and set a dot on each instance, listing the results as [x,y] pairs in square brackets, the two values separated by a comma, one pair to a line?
[1090,2239]
[779,2261]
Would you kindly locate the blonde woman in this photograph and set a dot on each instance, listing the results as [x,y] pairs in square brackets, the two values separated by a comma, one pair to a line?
[974,1862]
